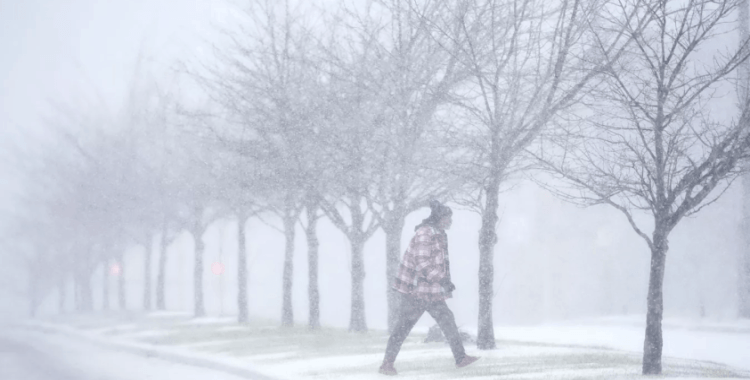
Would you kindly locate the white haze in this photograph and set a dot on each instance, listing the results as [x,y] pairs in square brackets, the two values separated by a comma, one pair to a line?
[554,261]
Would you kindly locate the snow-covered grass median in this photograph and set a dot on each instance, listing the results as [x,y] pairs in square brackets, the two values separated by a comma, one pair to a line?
[329,353]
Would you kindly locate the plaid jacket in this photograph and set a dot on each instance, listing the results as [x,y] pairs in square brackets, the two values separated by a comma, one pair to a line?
[424,264]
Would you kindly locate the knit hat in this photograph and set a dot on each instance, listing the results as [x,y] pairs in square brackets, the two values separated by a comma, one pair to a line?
[438,211]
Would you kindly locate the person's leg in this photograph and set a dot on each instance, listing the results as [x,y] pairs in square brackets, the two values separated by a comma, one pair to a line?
[411,310]
[444,317]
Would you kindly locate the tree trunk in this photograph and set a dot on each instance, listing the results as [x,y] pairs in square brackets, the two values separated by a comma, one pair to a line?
[313,293]
[743,264]
[86,272]
[487,240]
[287,313]
[147,276]
[76,293]
[105,285]
[744,283]
[393,229]
[61,294]
[87,296]
[122,302]
[33,291]
[652,347]
[161,303]
[33,303]
[199,308]
[242,307]
[358,323]
[744,258]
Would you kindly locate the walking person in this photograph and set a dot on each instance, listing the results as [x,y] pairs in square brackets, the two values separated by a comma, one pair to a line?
[424,281]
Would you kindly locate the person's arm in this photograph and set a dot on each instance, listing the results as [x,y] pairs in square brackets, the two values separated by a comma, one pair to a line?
[430,258]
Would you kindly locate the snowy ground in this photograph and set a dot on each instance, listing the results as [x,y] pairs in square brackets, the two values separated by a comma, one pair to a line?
[29,356]
[595,349]
[720,342]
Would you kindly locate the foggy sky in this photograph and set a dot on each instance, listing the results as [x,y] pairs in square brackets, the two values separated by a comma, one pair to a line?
[83,53]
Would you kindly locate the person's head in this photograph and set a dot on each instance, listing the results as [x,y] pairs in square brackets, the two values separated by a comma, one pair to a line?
[445,222]
[441,216]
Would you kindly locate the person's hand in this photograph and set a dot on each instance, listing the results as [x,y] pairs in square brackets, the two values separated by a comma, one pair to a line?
[450,287]
[447,285]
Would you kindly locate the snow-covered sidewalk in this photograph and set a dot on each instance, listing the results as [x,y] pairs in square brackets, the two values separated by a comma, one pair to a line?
[593,349]
[720,342]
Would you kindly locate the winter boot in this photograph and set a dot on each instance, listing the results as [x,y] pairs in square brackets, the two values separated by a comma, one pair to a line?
[466,361]
[387,369]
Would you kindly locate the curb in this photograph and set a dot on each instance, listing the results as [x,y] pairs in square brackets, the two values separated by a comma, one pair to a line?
[151,351]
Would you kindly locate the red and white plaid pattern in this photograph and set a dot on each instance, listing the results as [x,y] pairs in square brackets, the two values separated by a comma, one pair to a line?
[424,265]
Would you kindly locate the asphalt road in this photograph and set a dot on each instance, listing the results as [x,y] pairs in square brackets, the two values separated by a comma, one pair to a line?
[26,355]
[21,360]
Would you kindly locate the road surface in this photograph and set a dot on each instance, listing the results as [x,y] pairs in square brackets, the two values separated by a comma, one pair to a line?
[26,355]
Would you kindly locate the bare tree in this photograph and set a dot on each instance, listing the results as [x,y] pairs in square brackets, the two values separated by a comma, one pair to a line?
[265,88]
[384,74]
[244,194]
[30,245]
[349,151]
[358,226]
[528,61]
[199,206]
[92,184]
[38,236]
[654,144]
[410,71]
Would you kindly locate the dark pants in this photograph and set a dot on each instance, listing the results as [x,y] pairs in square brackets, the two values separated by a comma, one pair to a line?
[411,310]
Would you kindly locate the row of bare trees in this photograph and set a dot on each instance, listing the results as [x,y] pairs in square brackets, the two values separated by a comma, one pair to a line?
[362,114]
